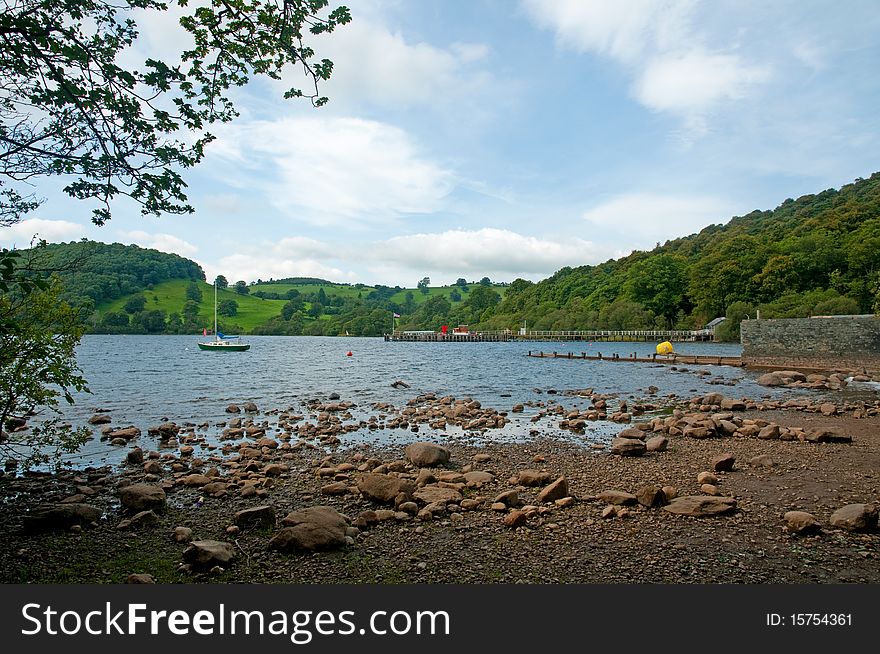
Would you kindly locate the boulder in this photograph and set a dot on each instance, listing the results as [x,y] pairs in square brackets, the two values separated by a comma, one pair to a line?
[182,534]
[258,516]
[142,497]
[855,517]
[723,462]
[651,496]
[761,461]
[61,516]
[769,432]
[533,477]
[701,505]
[100,419]
[507,498]
[555,491]
[628,447]
[657,444]
[205,554]
[477,478]
[826,436]
[771,379]
[427,455]
[515,518]
[729,404]
[140,578]
[135,456]
[312,529]
[383,488]
[616,497]
[632,432]
[801,522]
[127,433]
[139,521]
[434,494]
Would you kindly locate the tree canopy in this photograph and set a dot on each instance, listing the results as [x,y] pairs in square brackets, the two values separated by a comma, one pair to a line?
[69,108]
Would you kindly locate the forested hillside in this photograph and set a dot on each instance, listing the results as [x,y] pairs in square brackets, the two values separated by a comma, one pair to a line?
[93,273]
[817,255]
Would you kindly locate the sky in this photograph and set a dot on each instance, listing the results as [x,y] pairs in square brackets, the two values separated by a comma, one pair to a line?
[508,139]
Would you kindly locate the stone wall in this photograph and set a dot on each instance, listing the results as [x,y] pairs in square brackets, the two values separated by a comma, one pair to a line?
[819,343]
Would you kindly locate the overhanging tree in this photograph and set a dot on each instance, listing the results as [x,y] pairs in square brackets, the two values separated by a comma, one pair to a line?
[71,110]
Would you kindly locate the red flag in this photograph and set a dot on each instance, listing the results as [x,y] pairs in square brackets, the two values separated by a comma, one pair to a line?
[443,329]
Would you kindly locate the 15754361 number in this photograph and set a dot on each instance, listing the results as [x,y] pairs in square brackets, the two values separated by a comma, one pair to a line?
[821,619]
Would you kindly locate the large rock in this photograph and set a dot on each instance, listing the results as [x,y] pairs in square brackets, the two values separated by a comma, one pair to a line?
[855,517]
[729,404]
[826,436]
[801,522]
[628,447]
[531,477]
[701,505]
[617,497]
[383,488]
[555,491]
[312,529]
[723,462]
[61,516]
[651,496]
[128,433]
[140,520]
[143,497]
[771,379]
[478,478]
[433,494]
[259,516]
[205,554]
[657,444]
[427,455]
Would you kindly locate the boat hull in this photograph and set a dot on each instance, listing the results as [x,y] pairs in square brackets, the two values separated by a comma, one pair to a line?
[224,347]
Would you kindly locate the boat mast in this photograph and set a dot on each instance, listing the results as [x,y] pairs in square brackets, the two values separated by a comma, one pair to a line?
[216,338]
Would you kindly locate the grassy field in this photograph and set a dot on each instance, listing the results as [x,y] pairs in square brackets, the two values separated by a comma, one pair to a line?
[170,297]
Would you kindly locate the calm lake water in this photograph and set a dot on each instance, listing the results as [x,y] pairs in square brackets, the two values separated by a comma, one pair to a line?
[143,380]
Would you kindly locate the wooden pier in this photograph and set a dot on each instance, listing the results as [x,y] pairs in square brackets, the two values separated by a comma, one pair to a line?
[450,337]
[692,359]
[592,336]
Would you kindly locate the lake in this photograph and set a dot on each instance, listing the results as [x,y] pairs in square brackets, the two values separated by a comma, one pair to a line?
[143,380]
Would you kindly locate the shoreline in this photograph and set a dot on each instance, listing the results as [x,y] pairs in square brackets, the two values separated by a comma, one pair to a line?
[453,523]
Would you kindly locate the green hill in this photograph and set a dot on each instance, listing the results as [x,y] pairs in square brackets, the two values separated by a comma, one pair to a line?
[817,255]
[170,297]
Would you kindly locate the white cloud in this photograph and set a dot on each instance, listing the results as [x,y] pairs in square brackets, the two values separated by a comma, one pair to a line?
[483,250]
[647,218]
[694,81]
[53,231]
[621,30]
[672,68]
[372,63]
[162,242]
[337,170]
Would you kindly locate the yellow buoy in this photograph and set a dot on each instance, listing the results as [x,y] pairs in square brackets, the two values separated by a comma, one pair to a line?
[664,348]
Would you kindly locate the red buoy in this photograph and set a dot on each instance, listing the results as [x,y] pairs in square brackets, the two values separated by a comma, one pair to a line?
[349,354]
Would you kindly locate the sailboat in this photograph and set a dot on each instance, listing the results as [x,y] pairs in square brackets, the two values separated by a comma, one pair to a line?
[221,342]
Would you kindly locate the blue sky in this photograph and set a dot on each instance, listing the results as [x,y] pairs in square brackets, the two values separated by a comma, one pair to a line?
[471,138]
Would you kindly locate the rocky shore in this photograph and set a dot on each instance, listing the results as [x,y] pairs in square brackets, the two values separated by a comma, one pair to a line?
[708,489]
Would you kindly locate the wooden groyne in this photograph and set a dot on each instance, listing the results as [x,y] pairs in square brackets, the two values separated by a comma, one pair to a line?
[692,359]
[593,336]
